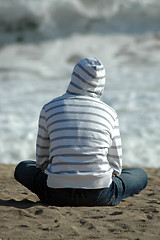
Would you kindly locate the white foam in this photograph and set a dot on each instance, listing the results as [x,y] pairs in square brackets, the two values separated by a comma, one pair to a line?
[29,20]
[33,73]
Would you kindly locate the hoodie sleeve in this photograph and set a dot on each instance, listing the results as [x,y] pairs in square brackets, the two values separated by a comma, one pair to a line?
[115,151]
[43,142]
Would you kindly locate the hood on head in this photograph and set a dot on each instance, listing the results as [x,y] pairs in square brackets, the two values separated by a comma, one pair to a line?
[88,78]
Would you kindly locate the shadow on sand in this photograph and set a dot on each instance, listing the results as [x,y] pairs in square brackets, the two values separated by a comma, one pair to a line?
[23,204]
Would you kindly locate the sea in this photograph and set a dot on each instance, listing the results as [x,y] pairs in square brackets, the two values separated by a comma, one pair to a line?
[42,40]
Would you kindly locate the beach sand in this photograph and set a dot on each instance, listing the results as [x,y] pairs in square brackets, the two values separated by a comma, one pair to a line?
[22,216]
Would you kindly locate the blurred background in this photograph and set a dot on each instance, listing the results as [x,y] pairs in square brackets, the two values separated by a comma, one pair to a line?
[41,41]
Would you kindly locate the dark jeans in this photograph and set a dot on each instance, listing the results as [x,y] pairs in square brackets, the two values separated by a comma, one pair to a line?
[130,182]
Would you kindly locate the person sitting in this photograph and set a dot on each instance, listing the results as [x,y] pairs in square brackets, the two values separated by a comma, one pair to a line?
[79,150]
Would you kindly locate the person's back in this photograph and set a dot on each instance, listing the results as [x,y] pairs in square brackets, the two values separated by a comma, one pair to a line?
[83,133]
[79,152]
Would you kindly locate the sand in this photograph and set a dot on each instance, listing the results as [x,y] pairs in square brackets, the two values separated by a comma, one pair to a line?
[23,216]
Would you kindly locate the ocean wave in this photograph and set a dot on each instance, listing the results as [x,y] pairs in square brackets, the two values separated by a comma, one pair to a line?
[42,19]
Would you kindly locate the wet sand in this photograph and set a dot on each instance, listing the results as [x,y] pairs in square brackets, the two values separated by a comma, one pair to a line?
[23,216]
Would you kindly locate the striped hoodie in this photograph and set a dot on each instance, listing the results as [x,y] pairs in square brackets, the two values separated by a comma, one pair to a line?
[79,134]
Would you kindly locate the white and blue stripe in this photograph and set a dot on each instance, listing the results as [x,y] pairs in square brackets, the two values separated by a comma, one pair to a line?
[79,134]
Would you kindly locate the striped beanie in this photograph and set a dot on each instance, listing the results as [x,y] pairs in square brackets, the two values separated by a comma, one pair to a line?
[88,78]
